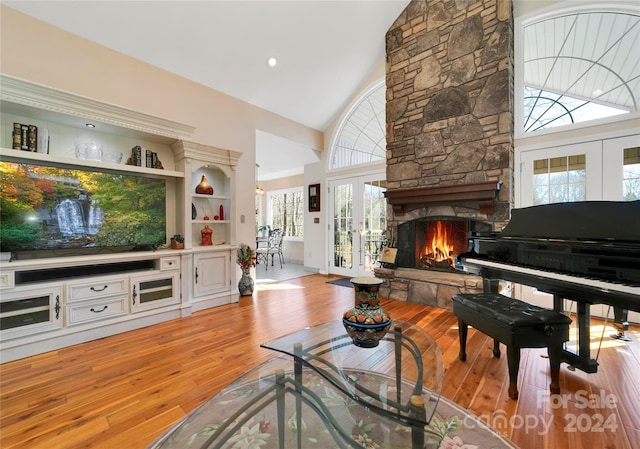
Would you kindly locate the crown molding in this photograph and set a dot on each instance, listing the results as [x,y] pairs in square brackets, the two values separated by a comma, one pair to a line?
[26,93]
[184,149]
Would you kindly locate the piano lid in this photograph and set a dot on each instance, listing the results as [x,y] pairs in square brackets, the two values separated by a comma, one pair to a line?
[584,220]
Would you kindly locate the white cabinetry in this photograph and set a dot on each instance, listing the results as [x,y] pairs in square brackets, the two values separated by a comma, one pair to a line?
[50,303]
[213,278]
[154,290]
[218,167]
[30,311]
[96,299]
[211,274]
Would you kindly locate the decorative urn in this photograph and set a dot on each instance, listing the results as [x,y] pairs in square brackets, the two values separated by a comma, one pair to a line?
[366,323]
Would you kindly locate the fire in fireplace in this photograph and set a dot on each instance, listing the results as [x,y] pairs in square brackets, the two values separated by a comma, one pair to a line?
[433,243]
[443,240]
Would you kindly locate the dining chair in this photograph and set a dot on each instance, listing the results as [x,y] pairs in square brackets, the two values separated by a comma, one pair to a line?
[273,247]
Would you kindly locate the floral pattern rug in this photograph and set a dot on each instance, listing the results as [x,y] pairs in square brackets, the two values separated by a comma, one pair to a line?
[245,416]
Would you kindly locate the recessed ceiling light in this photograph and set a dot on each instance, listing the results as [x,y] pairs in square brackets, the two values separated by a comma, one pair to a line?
[90,125]
[271,62]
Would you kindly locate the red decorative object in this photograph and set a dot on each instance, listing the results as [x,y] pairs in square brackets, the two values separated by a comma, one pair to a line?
[206,236]
[221,212]
[204,187]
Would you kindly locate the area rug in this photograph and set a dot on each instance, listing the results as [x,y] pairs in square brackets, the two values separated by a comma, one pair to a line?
[344,282]
[247,415]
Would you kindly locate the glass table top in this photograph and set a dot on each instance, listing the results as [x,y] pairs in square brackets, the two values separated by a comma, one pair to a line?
[407,355]
[323,391]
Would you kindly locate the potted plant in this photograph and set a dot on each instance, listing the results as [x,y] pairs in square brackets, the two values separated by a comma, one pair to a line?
[263,231]
[246,258]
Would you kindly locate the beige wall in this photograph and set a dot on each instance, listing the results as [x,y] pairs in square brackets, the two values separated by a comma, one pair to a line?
[35,51]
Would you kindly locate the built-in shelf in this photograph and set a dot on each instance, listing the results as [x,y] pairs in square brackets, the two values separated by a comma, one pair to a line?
[480,196]
[10,155]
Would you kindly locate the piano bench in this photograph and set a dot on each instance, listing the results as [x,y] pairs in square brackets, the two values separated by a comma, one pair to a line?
[516,324]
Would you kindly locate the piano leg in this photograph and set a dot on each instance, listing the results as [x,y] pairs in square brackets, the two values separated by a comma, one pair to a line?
[584,329]
[491,285]
[620,323]
[582,360]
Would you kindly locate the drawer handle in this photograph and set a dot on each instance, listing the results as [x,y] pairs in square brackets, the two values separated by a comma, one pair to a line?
[98,311]
[99,289]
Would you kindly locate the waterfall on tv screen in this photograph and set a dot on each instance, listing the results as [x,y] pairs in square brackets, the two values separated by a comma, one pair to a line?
[70,219]
[95,219]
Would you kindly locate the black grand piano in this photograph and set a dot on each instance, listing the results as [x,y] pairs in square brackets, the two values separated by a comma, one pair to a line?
[587,252]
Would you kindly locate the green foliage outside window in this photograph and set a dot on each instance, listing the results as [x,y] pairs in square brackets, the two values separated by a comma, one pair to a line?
[287,212]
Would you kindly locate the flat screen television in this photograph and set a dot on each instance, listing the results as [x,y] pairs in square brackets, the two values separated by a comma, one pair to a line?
[52,211]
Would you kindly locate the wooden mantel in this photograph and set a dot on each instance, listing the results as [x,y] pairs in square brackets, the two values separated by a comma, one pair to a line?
[480,196]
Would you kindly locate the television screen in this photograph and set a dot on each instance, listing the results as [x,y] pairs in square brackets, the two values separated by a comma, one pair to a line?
[47,209]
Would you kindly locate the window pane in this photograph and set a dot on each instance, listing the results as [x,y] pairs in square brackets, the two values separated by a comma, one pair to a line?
[343,225]
[362,138]
[579,66]
[375,217]
[560,179]
[287,212]
[631,174]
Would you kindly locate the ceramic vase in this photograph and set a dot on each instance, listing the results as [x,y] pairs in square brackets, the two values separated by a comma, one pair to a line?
[204,187]
[366,323]
[245,285]
[206,236]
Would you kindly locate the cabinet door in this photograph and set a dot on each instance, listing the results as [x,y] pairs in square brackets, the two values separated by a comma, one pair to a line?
[29,311]
[154,290]
[211,274]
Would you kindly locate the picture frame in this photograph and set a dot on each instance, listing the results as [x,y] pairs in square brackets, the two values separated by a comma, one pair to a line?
[389,255]
[314,197]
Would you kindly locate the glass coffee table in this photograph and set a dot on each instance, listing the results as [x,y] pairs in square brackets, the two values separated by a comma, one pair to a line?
[322,391]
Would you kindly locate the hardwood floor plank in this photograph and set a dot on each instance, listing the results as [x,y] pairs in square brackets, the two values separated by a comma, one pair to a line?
[123,391]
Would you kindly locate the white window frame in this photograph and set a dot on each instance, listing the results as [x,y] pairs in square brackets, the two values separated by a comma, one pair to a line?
[269,217]
[520,23]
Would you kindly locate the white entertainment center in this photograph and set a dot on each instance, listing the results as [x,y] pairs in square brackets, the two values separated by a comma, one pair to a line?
[52,302]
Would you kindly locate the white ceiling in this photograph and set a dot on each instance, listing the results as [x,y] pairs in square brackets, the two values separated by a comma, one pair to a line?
[325,51]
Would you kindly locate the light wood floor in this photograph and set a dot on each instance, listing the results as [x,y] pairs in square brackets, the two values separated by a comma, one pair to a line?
[123,391]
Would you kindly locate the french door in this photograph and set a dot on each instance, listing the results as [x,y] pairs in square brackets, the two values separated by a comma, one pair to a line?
[606,169]
[358,224]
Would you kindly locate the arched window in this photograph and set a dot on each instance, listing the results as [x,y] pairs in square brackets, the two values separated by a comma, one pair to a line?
[578,66]
[361,139]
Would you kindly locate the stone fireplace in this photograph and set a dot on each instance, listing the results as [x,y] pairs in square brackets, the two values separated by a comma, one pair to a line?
[449,137]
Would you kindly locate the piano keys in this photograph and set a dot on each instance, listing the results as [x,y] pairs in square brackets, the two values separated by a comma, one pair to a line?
[588,252]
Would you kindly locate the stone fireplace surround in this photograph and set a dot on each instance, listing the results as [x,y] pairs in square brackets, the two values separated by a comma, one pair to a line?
[449,126]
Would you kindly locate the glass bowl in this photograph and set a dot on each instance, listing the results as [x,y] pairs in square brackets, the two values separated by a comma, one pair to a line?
[112,157]
[88,151]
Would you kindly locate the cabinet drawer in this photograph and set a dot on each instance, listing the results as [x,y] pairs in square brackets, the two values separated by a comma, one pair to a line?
[170,263]
[96,310]
[98,288]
